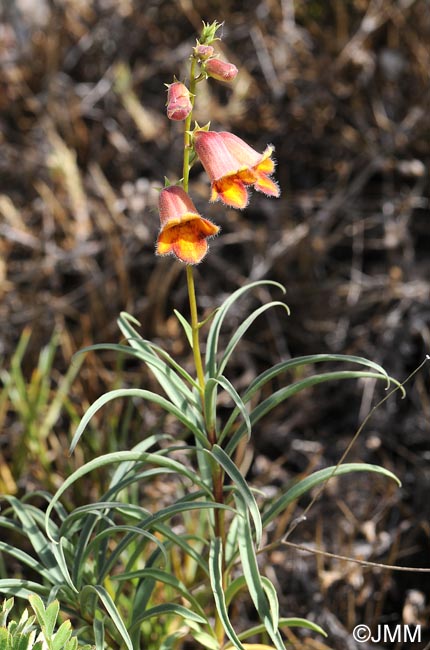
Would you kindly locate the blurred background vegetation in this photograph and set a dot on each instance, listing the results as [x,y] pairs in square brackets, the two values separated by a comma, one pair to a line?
[341,88]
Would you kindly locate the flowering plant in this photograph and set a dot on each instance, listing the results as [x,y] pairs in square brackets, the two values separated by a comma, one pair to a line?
[137,578]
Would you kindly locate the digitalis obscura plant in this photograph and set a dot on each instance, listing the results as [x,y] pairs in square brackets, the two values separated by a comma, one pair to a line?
[134,578]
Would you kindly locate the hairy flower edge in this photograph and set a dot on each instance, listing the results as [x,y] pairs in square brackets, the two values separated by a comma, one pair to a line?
[184,232]
[233,166]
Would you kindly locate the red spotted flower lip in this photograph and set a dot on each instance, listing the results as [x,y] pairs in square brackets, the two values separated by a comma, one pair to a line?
[184,232]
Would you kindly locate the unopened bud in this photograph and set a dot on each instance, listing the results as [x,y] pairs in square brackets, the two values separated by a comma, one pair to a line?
[221,70]
[204,51]
[209,31]
[179,104]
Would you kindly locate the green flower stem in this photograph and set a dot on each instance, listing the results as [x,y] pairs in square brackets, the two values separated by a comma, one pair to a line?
[187,127]
[217,474]
[195,332]
[195,327]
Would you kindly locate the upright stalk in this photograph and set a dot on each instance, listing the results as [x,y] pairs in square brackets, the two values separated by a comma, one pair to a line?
[217,472]
[195,332]
[187,126]
[190,277]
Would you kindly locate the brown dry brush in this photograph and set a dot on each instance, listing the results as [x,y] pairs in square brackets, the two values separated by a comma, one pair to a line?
[342,89]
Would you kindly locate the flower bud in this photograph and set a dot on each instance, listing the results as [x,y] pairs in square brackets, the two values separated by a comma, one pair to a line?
[179,104]
[204,51]
[221,70]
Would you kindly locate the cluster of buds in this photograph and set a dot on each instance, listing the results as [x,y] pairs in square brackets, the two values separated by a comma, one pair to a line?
[212,66]
[179,99]
[233,167]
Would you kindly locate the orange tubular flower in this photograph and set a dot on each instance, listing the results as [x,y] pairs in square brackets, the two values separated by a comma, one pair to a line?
[183,231]
[261,165]
[228,176]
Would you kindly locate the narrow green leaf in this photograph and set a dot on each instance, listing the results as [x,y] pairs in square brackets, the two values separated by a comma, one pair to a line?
[171,640]
[243,327]
[252,576]
[113,612]
[162,373]
[110,533]
[231,541]
[129,318]
[117,457]
[126,468]
[187,327]
[165,404]
[58,551]
[272,598]
[242,487]
[284,393]
[152,521]
[165,373]
[168,609]
[99,633]
[233,589]
[215,573]
[283,622]
[321,476]
[176,366]
[291,364]
[181,542]
[26,559]
[210,396]
[204,639]
[36,538]
[126,474]
[214,331]
[167,579]
[240,405]
[239,583]
[301,622]
[22,588]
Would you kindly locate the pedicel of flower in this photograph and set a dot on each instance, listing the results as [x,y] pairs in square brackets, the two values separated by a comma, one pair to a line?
[184,232]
